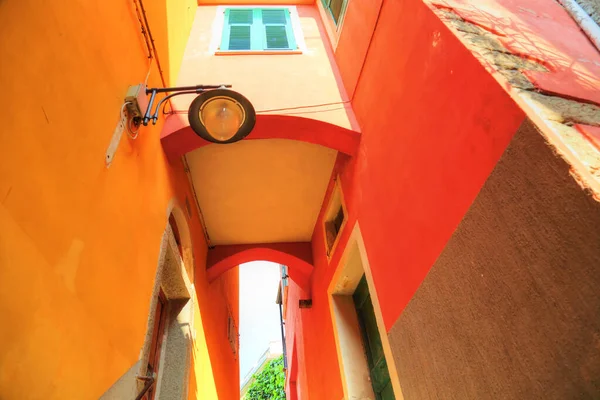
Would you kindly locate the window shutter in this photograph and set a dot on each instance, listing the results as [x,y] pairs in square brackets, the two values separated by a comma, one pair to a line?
[276,37]
[278,31]
[239,37]
[247,29]
[237,29]
[273,17]
[239,16]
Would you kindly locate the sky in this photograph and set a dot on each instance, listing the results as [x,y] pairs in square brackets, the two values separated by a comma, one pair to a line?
[259,314]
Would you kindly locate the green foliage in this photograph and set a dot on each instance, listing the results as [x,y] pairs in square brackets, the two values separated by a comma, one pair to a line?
[269,383]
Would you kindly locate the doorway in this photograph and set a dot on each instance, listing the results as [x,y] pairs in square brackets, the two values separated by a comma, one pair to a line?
[367,367]
[378,370]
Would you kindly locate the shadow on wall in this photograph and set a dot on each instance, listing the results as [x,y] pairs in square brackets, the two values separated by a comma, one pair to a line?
[170,23]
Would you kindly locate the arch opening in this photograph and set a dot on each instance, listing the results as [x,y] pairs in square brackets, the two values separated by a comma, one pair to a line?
[296,256]
[178,138]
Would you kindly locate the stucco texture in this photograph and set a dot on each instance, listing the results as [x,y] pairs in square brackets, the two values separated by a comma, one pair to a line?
[510,308]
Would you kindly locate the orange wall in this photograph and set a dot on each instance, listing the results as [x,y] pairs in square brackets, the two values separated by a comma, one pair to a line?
[434,123]
[225,362]
[278,81]
[79,243]
[214,372]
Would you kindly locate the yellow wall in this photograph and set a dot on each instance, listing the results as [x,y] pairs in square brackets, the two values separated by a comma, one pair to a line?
[216,367]
[170,21]
[78,242]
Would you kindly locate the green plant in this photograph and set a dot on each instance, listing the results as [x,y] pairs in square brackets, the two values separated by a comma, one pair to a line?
[269,383]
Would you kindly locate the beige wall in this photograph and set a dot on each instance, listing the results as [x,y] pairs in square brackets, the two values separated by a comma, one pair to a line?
[269,81]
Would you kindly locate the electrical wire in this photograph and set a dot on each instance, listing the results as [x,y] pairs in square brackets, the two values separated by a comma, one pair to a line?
[301,107]
[276,109]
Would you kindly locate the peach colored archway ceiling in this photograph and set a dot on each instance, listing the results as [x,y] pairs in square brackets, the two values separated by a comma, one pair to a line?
[267,188]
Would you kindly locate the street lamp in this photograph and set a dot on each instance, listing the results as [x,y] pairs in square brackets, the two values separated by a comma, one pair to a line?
[218,114]
[221,116]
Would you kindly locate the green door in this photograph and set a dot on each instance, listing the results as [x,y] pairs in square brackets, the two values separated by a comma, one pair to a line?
[380,376]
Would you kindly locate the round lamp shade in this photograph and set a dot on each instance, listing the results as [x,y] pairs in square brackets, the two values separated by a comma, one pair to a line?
[221,116]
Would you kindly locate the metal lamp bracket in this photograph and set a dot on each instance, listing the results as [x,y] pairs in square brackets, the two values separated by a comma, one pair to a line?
[140,110]
[174,91]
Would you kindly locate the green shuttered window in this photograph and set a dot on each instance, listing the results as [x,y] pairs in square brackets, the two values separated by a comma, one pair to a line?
[257,29]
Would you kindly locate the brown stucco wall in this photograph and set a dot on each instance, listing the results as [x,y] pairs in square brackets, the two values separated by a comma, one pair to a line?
[511,308]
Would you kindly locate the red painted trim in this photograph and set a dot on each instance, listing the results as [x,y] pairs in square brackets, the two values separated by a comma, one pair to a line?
[178,138]
[592,133]
[297,256]
[541,31]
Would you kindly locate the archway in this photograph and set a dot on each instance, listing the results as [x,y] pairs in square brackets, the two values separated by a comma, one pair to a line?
[178,138]
[296,256]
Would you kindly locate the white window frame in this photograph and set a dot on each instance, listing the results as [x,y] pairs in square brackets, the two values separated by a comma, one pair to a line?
[219,21]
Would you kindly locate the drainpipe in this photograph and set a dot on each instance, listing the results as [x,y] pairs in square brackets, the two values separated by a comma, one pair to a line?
[283,338]
[148,37]
[281,323]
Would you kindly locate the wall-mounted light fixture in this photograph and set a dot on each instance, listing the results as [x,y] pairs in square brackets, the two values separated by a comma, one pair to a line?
[218,114]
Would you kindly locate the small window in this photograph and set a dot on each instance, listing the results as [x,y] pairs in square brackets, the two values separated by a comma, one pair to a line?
[257,29]
[335,218]
[336,8]
[334,226]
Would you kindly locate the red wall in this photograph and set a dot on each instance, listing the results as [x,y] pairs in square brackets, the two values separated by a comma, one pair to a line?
[297,329]
[355,39]
[434,123]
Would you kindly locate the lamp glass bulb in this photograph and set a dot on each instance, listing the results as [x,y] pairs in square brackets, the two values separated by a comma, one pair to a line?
[222,117]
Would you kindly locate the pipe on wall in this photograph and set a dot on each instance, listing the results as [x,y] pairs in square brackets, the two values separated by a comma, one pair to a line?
[153,53]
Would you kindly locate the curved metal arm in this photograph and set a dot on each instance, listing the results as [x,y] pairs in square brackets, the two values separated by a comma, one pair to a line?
[149,115]
[160,103]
